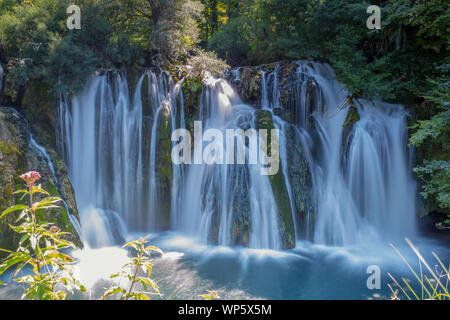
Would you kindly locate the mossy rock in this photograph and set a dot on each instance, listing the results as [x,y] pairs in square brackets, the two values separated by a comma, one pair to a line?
[347,133]
[249,85]
[301,182]
[351,119]
[263,120]
[163,167]
[241,226]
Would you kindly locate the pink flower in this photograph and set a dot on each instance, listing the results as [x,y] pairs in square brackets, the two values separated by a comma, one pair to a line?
[30,178]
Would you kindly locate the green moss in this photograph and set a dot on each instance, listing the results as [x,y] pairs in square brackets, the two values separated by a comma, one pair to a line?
[9,148]
[352,117]
[163,168]
[191,91]
[263,120]
[286,223]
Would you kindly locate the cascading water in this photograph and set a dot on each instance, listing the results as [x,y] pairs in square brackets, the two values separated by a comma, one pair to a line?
[339,192]
[374,194]
[102,130]
[228,204]
[377,169]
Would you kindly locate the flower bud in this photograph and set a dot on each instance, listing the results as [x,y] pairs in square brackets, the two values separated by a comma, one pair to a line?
[54,229]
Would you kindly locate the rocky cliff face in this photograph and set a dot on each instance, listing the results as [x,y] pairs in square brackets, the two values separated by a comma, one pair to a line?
[19,154]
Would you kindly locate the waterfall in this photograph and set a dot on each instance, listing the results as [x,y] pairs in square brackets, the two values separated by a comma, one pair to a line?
[339,187]
[167,106]
[371,194]
[217,197]
[111,161]
[378,171]
[102,130]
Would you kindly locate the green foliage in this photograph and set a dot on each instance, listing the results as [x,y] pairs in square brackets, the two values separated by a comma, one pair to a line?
[436,175]
[206,60]
[434,134]
[8,148]
[36,45]
[433,284]
[386,62]
[40,248]
[230,42]
[130,272]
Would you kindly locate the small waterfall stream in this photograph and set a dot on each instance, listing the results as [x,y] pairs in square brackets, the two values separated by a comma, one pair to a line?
[358,190]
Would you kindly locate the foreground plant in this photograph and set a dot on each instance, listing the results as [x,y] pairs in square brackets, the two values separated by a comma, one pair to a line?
[432,287]
[211,295]
[40,248]
[130,271]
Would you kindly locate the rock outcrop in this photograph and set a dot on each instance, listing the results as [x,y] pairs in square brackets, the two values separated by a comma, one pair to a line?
[263,120]
[247,82]
[163,168]
[301,183]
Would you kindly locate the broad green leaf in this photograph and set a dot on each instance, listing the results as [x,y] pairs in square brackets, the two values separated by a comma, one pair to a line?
[112,291]
[16,258]
[150,283]
[22,191]
[12,209]
[38,189]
